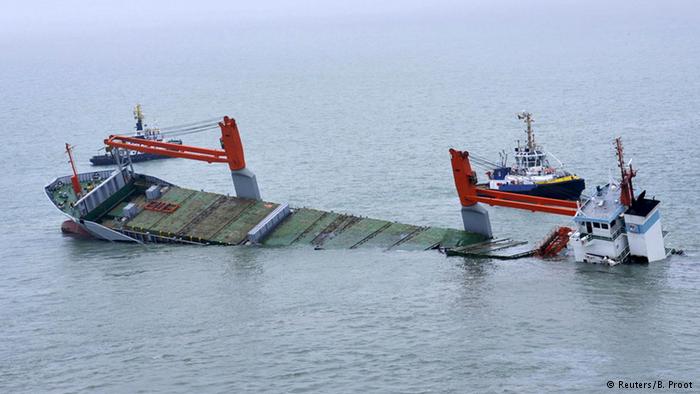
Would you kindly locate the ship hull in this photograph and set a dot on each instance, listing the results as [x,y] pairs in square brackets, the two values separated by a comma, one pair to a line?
[203,218]
[106,160]
[566,190]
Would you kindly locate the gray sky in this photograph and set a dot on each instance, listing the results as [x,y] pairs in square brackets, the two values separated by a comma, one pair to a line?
[38,17]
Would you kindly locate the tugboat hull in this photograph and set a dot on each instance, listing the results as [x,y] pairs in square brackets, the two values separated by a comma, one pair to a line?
[565,190]
[106,160]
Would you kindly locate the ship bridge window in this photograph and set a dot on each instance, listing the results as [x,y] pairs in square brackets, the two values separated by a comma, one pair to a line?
[596,225]
[604,225]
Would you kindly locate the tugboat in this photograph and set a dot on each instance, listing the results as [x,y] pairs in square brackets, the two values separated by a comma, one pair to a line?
[532,173]
[152,134]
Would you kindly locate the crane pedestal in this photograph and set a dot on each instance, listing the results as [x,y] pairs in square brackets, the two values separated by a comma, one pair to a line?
[245,184]
[476,220]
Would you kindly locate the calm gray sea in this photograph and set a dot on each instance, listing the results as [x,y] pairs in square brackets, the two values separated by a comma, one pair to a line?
[354,117]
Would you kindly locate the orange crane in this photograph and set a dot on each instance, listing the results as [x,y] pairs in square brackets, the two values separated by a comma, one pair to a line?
[232,153]
[469,194]
[476,219]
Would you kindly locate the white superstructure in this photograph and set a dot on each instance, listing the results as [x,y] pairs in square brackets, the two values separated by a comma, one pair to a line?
[614,227]
[643,229]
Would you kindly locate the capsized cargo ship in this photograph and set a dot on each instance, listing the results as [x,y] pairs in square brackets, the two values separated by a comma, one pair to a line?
[123,205]
[532,173]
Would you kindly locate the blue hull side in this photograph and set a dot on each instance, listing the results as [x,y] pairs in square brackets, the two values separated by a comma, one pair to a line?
[106,160]
[568,190]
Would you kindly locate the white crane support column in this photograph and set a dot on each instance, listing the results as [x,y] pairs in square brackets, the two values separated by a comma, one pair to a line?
[245,184]
[243,179]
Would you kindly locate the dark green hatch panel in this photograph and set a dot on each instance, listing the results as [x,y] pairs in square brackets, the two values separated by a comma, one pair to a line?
[329,230]
[211,218]
[236,231]
[294,227]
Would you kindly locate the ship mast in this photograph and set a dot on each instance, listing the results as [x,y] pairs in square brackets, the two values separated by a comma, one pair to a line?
[626,174]
[74,179]
[530,134]
[138,115]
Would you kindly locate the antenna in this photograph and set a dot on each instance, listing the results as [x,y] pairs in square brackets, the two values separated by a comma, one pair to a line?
[527,117]
[626,174]
[619,151]
[504,157]
[138,115]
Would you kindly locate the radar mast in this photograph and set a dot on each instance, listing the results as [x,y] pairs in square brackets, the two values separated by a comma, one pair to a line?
[138,115]
[527,117]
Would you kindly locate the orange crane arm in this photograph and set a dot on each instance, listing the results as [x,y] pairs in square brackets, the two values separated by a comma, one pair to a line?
[470,194]
[232,152]
[231,142]
[166,149]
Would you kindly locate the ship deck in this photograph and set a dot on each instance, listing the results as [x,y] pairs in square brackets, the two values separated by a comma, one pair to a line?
[214,219]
